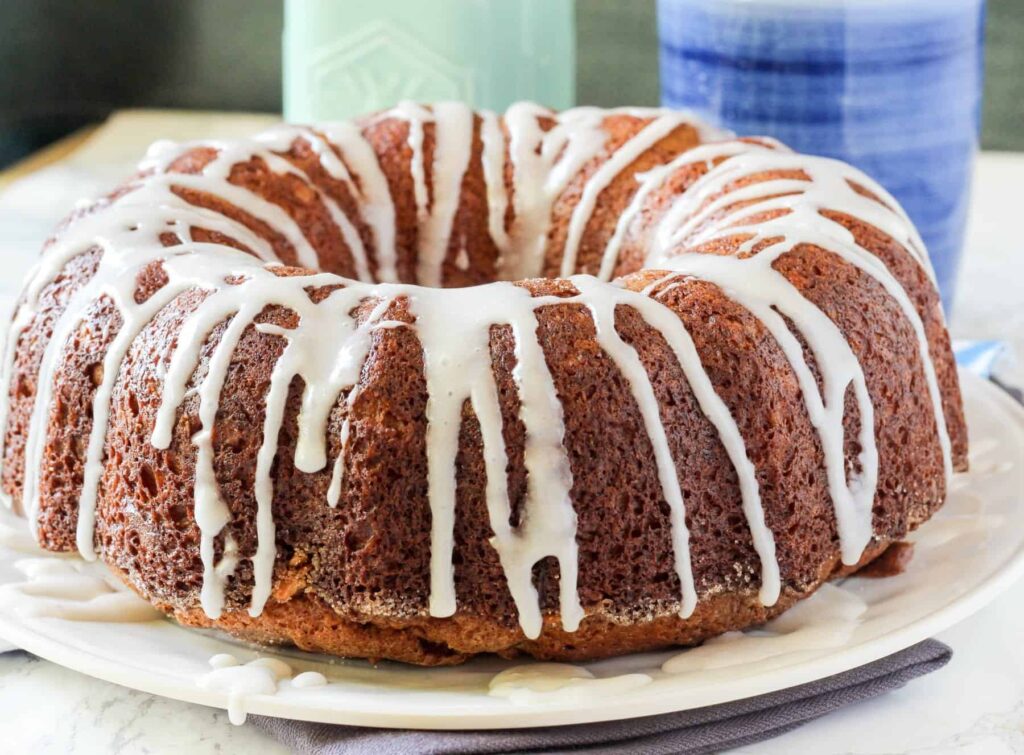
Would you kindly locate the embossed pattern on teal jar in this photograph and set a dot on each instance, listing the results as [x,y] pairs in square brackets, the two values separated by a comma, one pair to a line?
[892,86]
[344,58]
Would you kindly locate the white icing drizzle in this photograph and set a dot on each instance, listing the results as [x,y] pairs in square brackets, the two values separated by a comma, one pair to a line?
[764,292]
[458,369]
[416,115]
[543,163]
[280,140]
[602,308]
[829,188]
[348,231]
[602,301]
[135,319]
[223,660]
[376,204]
[331,345]
[211,512]
[258,207]
[654,179]
[453,140]
[435,210]
[328,359]
[261,676]
[492,159]
[623,157]
[338,473]
[119,287]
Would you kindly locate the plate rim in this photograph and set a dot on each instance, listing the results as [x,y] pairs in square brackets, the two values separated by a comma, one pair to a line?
[461,717]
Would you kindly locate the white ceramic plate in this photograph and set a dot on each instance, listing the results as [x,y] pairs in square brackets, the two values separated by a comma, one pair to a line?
[964,557]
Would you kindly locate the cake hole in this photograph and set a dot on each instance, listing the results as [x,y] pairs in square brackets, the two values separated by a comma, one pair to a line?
[148,480]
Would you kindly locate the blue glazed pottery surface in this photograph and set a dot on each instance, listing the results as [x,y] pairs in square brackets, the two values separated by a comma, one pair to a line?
[892,86]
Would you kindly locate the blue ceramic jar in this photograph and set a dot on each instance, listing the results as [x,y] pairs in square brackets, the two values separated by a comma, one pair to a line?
[892,86]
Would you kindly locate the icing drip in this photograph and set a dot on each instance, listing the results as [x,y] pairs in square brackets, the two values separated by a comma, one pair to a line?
[830,187]
[262,676]
[376,203]
[136,317]
[269,212]
[453,139]
[417,115]
[543,163]
[338,473]
[118,287]
[493,163]
[280,140]
[760,289]
[211,512]
[328,359]
[602,308]
[544,152]
[458,369]
[623,157]
[223,660]
[602,301]
[654,179]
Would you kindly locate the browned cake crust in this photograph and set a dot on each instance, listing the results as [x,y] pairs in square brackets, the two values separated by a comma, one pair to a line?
[353,580]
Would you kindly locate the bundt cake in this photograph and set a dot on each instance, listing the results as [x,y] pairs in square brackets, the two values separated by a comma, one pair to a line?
[437,383]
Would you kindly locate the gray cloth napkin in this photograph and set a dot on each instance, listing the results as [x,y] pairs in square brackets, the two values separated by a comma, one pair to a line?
[703,730]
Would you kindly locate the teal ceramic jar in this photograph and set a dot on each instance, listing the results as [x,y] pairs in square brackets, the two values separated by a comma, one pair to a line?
[343,59]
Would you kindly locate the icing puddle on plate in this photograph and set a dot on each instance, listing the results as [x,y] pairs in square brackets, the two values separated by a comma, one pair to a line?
[261,676]
[66,587]
[559,682]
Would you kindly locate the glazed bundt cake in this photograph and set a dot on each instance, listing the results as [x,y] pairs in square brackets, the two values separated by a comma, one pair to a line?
[438,383]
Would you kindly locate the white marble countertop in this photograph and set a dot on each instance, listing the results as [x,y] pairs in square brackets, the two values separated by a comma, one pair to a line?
[974,705]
